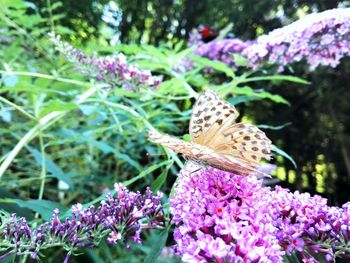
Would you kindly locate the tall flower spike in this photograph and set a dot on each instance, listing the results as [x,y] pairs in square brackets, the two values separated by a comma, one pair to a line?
[223,217]
[113,70]
[114,218]
[320,39]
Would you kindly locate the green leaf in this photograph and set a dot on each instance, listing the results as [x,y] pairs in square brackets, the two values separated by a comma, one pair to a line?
[7,204]
[145,172]
[284,154]
[219,66]
[94,256]
[158,183]
[43,207]
[10,80]
[182,54]
[242,99]
[51,167]
[259,94]
[126,158]
[240,60]
[275,77]
[264,126]
[157,245]
[173,86]
[160,180]
[57,105]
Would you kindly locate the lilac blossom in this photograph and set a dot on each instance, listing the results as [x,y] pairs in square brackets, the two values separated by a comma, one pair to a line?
[306,223]
[113,70]
[217,50]
[222,50]
[319,39]
[118,218]
[223,217]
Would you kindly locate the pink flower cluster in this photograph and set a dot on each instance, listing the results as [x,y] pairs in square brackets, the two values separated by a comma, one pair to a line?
[223,217]
[320,39]
[113,70]
[306,223]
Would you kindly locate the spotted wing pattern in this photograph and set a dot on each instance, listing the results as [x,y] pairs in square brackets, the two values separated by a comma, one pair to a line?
[210,114]
[244,142]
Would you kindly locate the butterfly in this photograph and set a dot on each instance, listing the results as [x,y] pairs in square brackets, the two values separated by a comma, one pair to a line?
[207,34]
[216,140]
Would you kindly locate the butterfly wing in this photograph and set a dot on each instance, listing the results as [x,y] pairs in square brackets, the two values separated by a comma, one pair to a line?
[210,114]
[203,154]
[212,125]
[243,141]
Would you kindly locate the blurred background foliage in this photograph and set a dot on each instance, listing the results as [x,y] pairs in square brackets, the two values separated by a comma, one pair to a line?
[93,144]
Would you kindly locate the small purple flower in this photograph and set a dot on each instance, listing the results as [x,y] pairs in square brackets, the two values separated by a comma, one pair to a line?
[114,237]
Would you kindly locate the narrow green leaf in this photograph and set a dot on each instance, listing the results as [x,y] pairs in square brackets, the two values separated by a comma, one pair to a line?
[276,77]
[43,207]
[51,167]
[279,127]
[57,105]
[261,94]
[157,246]
[284,154]
[243,99]
[219,66]
[158,183]
[145,172]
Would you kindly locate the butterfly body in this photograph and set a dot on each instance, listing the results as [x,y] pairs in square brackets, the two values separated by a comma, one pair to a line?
[201,154]
[217,140]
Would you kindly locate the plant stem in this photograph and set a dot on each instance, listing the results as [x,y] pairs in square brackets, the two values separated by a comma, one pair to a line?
[17,108]
[44,76]
[49,8]
[43,166]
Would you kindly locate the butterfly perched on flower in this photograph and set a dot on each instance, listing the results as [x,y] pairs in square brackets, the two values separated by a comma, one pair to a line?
[216,140]
[207,34]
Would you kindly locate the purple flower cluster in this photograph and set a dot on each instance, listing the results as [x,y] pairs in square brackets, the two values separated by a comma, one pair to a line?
[217,50]
[320,38]
[113,70]
[120,218]
[306,223]
[222,50]
[223,217]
